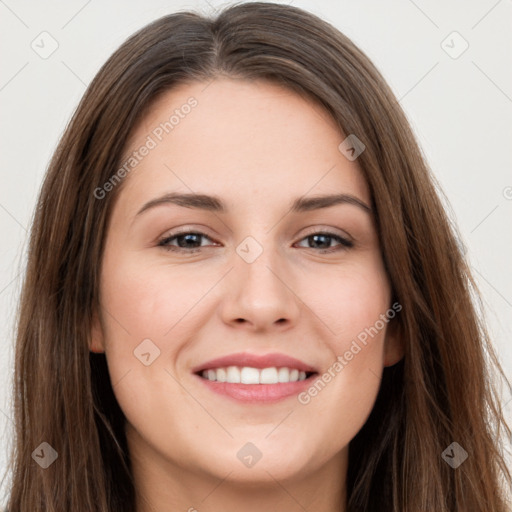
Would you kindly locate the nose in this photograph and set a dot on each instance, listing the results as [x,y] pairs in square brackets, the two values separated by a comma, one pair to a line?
[260,295]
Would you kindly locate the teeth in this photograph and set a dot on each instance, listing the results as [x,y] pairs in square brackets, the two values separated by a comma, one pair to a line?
[221,375]
[283,375]
[268,376]
[249,375]
[232,375]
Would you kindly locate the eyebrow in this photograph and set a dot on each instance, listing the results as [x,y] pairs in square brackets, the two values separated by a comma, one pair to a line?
[215,204]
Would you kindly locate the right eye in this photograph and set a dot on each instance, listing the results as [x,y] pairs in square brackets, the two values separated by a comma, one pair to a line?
[183,239]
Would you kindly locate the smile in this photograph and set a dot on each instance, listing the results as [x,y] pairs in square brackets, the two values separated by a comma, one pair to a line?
[255,378]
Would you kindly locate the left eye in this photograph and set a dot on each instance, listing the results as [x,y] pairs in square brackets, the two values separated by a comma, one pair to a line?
[190,241]
[319,239]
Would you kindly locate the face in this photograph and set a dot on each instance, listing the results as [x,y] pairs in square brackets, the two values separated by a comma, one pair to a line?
[187,281]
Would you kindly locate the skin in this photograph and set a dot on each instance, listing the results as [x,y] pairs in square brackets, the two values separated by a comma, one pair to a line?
[258,147]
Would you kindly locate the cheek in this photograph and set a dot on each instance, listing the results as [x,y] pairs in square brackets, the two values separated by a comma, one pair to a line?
[147,309]
[148,318]
[151,300]
[353,312]
[348,299]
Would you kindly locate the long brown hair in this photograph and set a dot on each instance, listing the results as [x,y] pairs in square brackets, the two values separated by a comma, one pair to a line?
[442,391]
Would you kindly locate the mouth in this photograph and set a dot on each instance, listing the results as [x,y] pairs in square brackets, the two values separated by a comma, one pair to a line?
[256,378]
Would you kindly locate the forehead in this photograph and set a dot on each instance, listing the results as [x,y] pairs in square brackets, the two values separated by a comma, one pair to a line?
[251,142]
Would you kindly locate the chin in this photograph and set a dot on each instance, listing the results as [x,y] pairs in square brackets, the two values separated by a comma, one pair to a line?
[250,464]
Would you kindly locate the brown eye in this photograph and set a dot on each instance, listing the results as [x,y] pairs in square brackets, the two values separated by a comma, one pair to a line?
[189,241]
[322,241]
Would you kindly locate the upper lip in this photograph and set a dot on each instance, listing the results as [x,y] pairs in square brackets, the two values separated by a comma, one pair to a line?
[255,361]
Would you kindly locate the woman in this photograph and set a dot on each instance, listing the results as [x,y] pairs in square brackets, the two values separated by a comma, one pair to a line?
[320,352]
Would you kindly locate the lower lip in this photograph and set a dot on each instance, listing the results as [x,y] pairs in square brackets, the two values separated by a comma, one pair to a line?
[261,393]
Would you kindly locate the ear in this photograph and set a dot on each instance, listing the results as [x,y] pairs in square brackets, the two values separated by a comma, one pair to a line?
[96,341]
[394,346]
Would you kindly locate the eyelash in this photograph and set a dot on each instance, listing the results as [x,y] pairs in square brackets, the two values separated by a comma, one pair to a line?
[344,243]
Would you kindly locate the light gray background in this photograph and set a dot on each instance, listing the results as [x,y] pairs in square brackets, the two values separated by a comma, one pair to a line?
[460,109]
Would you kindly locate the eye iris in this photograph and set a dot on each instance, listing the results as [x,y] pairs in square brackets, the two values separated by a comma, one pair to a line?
[187,238]
[315,238]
